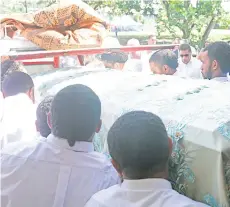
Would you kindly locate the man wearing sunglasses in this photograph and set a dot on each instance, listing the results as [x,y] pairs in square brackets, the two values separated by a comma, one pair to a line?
[189,66]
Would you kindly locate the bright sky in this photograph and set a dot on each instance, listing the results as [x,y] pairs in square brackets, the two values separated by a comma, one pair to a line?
[226,5]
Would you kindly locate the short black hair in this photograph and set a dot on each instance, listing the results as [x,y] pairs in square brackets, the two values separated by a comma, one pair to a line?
[185,47]
[114,57]
[165,57]
[17,82]
[220,51]
[75,113]
[42,110]
[138,142]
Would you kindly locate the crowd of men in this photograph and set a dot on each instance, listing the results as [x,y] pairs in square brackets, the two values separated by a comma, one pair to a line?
[48,156]
[211,63]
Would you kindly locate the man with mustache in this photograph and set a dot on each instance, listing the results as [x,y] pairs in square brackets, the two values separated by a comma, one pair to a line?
[215,60]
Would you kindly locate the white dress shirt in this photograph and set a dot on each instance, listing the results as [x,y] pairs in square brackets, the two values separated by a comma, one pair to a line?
[190,70]
[133,65]
[141,193]
[1,116]
[1,105]
[222,79]
[145,62]
[18,120]
[53,174]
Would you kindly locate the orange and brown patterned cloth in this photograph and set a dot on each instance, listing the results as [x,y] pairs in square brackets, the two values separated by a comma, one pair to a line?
[59,28]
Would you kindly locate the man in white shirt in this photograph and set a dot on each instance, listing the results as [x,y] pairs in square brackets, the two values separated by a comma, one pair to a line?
[64,170]
[152,40]
[114,60]
[189,67]
[133,65]
[140,148]
[134,43]
[164,62]
[1,115]
[215,60]
[18,108]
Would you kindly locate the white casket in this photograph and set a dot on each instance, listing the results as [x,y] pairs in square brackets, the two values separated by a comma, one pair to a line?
[196,114]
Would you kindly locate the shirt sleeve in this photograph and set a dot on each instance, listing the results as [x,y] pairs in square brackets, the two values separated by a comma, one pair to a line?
[93,203]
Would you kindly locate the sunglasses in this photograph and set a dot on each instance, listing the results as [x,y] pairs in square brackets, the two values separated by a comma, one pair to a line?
[186,55]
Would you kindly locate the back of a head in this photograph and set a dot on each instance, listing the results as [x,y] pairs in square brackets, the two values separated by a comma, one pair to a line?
[220,51]
[110,42]
[138,142]
[75,113]
[133,42]
[42,111]
[115,57]
[16,82]
[165,57]
[184,47]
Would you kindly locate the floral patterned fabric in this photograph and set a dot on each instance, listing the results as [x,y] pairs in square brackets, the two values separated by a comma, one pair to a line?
[196,114]
[59,28]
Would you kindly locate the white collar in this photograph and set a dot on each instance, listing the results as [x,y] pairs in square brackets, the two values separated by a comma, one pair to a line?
[221,79]
[78,147]
[146,184]
[18,99]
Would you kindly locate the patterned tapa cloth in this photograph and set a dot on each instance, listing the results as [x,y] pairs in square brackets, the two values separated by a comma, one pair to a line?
[196,115]
[67,27]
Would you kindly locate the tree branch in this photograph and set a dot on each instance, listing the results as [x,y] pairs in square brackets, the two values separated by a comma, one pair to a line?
[208,29]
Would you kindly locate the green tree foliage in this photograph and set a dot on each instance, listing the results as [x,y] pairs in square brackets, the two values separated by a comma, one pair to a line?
[135,8]
[177,18]
[224,22]
[24,6]
[192,22]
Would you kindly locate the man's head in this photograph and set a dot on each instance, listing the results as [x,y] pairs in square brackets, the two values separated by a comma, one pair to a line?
[75,114]
[185,53]
[16,83]
[163,62]
[134,43]
[206,43]
[42,112]
[215,60]
[176,41]
[114,60]
[139,146]
[152,40]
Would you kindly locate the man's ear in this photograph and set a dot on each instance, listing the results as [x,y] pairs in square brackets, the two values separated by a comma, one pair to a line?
[49,120]
[165,69]
[3,95]
[117,167]
[99,126]
[170,146]
[116,66]
[31,94]
[214,65]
